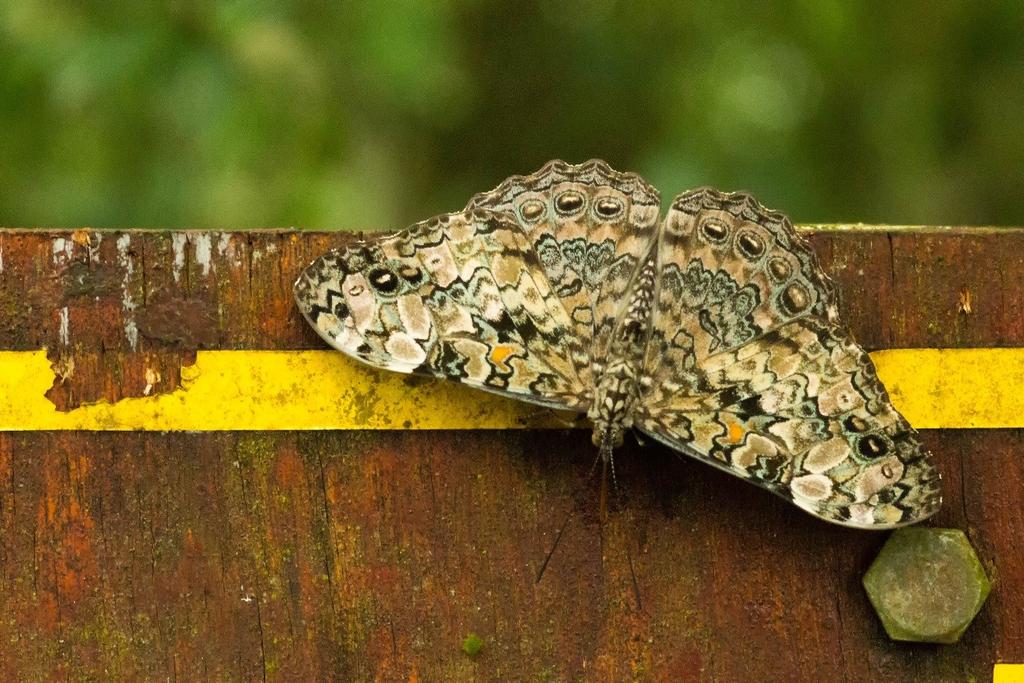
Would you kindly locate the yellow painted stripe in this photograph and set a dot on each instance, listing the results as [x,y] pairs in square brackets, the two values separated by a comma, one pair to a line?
[1008,673]
[955,388]
[272,390]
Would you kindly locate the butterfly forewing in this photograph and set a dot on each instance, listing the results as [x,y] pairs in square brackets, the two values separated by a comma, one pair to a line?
[590,227]
[749,369]
[460,296]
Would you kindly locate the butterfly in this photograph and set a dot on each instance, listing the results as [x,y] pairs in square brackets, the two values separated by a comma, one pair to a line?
[712,330]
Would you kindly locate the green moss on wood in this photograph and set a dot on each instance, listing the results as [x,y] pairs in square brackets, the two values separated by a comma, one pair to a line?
[472,645]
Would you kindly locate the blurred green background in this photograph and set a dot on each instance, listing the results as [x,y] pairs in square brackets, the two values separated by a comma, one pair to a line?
[377,114]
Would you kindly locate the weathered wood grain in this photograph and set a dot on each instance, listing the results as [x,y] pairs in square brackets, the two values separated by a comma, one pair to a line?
[371,555]
[233,290]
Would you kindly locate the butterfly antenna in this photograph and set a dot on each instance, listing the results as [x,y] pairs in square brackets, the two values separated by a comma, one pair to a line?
[615,481]
[565,522]
[629,553]
[603,499]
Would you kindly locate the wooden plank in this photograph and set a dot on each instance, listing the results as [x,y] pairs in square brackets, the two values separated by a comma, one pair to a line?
[361,555]
[901,290]
[354,555]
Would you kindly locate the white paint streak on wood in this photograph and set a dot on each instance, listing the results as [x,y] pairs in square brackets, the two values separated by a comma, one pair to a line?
[131,331]
[223,242]
[178,242]
[62,250]
[65,327]
[228,248]
[203,251]
[94,246]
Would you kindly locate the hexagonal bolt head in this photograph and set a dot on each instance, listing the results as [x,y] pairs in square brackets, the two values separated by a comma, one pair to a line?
[926,585]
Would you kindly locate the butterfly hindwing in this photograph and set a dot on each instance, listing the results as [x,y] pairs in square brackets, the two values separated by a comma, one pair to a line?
[749,368]
[460,296]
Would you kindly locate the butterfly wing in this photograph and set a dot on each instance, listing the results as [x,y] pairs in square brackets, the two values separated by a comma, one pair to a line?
[461,296]
[750,369]
[590,226]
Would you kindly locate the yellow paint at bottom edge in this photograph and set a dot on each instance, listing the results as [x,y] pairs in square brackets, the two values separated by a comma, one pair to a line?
[308,390]
[1008,673]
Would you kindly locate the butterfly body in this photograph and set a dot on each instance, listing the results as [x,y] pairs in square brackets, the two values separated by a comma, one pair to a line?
[618,387]
[713,331]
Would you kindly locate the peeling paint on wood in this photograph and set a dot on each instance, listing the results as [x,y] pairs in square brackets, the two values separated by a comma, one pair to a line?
[126,263]
[85,382]
[233,390]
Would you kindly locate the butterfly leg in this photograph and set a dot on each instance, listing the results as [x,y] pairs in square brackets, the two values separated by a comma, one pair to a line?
[565,523]
[554,546]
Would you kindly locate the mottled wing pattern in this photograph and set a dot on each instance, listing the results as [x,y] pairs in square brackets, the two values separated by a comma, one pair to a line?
[749,368]
[460,296]
[590,226]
